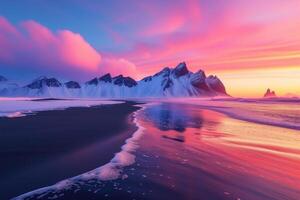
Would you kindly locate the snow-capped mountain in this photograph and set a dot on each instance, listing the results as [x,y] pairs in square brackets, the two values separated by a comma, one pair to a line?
[169,82]
[7,87]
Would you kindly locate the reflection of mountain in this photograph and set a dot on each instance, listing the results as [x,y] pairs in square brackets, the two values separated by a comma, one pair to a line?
[173,117]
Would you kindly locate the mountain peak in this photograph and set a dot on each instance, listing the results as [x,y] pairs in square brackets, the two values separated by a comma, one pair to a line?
[165,72]
[44,81]
[147,78]
[119,76]
[216,84]
[127,81]
[180,70]
[94,81]
[72,85]
[198,80]
[270,93]
[106,78]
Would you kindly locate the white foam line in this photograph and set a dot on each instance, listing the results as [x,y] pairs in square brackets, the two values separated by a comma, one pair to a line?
[19,108]
[110,171]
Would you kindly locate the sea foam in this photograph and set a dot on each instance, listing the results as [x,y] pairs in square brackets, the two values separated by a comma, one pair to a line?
[110,171]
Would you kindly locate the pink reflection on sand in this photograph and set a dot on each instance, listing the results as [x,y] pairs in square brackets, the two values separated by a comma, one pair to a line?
[267,158]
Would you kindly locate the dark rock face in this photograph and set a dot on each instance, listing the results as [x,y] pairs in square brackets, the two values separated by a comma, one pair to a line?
[118,80]
[215,83]
[147,79]
[165,72]
[167,83]
[106,78]
[72,85]
[44,81]
[198,80]
[94,81]
[2,78]
[127,81]
[270,93]
[180,70]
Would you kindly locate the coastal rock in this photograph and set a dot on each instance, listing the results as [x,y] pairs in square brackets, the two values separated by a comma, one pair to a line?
[270,93]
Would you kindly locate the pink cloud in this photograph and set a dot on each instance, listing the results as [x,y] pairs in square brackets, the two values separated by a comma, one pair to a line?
[176,18]
[165,25]
[6,27]
[35,46]
[117,66]
[116,36]
[75,51]
[8,36]
[241,35]
[228,35]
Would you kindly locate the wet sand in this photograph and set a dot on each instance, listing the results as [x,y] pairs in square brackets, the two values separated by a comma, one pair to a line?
[188,152]
[41,149]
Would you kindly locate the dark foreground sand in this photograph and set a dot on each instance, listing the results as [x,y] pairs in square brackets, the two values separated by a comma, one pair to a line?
[42,149]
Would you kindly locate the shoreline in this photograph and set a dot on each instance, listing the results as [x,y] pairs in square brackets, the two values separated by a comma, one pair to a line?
[37,152]
[206,154]
[110,171]
[242,112]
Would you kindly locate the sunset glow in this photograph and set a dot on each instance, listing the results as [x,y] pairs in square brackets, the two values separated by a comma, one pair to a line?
[249,45]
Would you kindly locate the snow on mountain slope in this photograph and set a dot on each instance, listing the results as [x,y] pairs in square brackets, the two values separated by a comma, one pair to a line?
[169,82]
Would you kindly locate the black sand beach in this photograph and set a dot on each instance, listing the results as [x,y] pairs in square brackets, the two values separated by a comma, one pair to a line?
[41,149]
[187,152]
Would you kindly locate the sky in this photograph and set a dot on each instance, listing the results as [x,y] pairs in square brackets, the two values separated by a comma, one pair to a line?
[250,45]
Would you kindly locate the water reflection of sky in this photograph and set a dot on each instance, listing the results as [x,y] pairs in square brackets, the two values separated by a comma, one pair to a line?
[245,160]
[174,117]
[174,120]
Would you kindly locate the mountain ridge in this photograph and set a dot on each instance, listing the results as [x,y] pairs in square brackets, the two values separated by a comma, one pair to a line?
[169,82]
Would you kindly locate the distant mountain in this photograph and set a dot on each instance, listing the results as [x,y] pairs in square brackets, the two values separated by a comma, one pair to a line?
[169,82]
[7,87]
[269,93]
[43,81]
[2,78]
[72,85]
